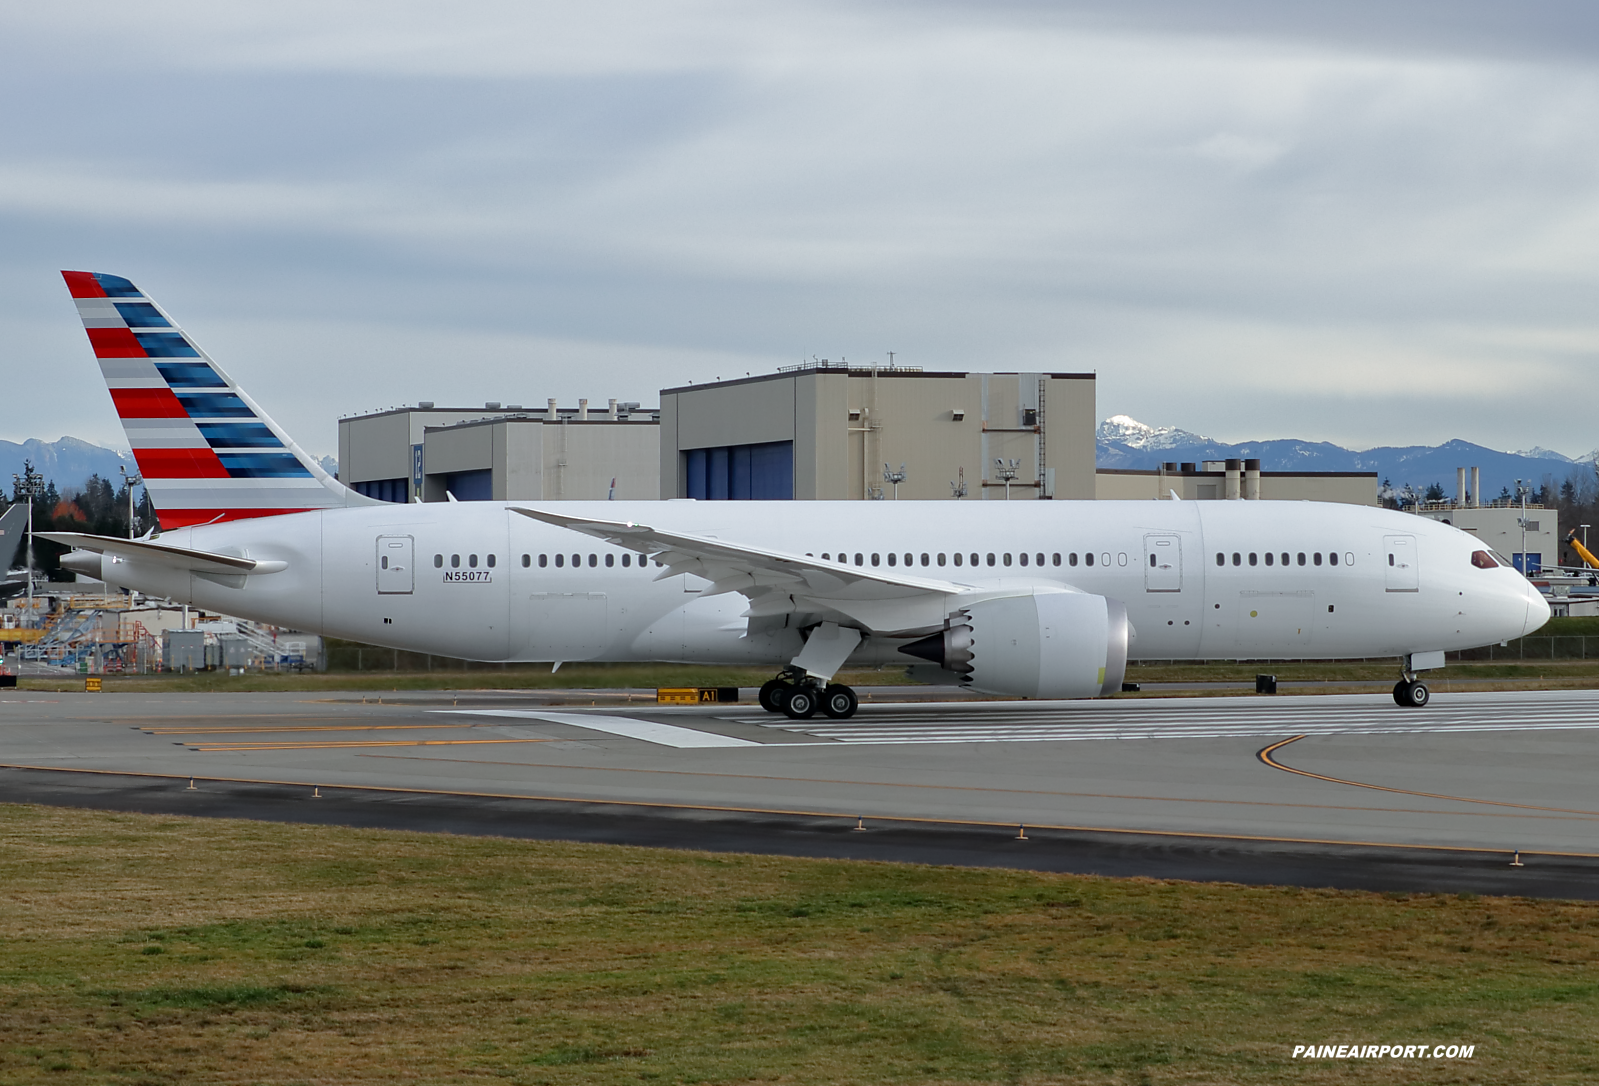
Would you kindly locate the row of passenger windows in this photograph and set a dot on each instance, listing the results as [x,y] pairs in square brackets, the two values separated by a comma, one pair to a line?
[1285,558]
[975,559]
[894,558]
[594,560]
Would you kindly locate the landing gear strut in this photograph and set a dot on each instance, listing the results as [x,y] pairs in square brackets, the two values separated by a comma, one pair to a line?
[798,697]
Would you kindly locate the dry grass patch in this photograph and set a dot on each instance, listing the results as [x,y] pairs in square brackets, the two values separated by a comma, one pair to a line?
[142,949]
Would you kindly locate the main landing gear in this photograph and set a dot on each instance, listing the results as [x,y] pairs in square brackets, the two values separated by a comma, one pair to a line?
[798,697]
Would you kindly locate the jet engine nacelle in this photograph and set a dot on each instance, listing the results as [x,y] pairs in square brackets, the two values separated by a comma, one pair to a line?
[1051,644]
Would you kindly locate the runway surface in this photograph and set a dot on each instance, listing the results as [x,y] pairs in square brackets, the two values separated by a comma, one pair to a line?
[1343,790]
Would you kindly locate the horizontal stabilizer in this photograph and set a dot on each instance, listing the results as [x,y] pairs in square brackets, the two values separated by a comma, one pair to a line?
[162,554]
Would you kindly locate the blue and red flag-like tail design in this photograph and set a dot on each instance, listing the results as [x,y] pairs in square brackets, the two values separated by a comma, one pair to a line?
[206,450]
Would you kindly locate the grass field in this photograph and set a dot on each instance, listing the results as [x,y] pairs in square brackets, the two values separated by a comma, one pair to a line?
[155,950]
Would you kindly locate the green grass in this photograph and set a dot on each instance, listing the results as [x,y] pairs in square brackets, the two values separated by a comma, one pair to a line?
[298,954]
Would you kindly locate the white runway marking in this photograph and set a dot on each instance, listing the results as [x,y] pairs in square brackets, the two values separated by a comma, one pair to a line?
[1197,719]
[650,731]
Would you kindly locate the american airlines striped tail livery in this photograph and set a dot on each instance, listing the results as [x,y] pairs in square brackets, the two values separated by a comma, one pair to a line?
[1028,599]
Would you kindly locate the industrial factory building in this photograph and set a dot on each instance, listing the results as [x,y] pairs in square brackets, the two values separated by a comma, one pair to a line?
[807,433]
[827,432]
[1528,535]
[497,453]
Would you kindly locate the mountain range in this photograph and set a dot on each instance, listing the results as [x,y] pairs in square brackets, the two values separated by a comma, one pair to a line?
[1124,442]
[68,462]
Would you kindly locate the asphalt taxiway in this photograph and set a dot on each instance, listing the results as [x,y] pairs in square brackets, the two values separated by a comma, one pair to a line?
[1345,790]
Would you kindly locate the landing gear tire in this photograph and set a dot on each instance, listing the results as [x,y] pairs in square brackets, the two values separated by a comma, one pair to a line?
[1411,695]
[839,702]
[774,694]
[802,703]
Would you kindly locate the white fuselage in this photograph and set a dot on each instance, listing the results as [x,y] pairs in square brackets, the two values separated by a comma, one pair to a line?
[431,597]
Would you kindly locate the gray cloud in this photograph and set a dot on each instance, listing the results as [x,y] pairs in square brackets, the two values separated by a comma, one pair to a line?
[1252,220]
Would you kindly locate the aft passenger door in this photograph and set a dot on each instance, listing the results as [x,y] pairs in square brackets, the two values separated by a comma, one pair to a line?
[1400,572]
[395,575]
[1163,563]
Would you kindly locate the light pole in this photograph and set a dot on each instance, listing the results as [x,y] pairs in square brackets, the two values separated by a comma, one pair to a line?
[131,481]
[1584,528]
[1006,470]
[1521,493]
[29,485]
[958,489]
[894,478]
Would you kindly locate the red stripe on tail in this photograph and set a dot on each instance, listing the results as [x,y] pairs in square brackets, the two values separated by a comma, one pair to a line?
[157,464]
[114,343]
[147,403]
[83,284]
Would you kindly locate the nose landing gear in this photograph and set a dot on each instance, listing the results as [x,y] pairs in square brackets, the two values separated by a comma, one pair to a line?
[1411,693]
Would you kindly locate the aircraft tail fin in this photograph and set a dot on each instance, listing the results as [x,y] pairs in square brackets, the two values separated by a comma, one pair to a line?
[13,534]
[206,450]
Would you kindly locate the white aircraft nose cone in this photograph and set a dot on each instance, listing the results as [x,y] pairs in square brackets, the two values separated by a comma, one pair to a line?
[1537,611]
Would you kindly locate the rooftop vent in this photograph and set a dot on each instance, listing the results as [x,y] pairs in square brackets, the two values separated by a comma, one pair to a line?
[424,405]
[492,405]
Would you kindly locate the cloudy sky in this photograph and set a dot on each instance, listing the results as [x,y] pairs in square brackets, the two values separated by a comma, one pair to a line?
[1370,223]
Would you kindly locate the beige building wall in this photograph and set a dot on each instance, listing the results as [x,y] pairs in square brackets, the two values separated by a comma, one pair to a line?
[945,428]
[532,460]
[1499,528]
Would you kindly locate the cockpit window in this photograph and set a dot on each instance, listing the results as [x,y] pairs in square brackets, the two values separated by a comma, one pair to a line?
[1488,560]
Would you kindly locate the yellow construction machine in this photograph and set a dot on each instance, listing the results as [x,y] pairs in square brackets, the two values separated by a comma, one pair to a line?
[1582,552]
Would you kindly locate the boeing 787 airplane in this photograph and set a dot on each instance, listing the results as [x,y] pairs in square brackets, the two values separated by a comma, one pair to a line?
[1035,599]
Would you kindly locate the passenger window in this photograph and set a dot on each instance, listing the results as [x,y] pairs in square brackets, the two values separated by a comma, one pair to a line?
[890,558]
[1071,559]
[1020,557]
[610,560]
[1253,558]
[1285,558]
[1301,557]
[455,561]
[1221,559]
[527,560]
[544,560]
[1055,558]
[1316,558]
[1006,558]
[560,560]
[627,560]
[824,557]
[857,558]
[471,560]
[1104,558]
[1268,557]
[1121,558]
[974,558]
[875,559]
[594,560]
[990,557]
[910,560]
[1332,558]
[925,560]
[1349,558]
[438,561]
[1038,559]
[491,561]
[941,557]
[1088,558]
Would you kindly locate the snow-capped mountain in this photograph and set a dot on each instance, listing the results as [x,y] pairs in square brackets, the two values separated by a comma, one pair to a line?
[1538,452]
[1125,430]
[1127,443]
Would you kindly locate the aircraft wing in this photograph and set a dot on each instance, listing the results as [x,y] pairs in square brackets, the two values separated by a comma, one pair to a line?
[778,582]
[162,554]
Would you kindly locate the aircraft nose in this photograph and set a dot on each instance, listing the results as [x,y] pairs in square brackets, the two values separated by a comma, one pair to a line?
[1537,611]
